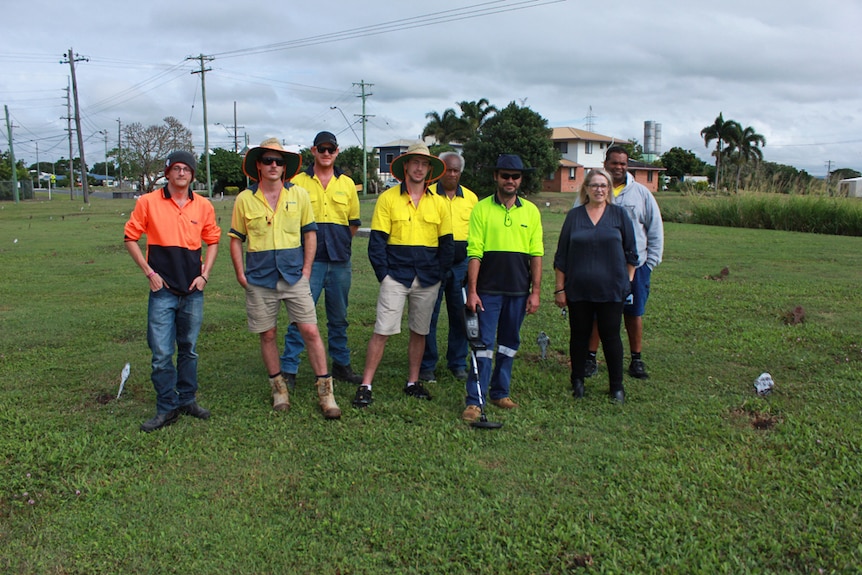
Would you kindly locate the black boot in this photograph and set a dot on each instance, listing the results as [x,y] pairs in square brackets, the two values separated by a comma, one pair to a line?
[577,387]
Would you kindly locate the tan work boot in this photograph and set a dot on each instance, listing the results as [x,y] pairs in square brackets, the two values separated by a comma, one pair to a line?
[504,403]
[280,397]
[471,414]
[326,398]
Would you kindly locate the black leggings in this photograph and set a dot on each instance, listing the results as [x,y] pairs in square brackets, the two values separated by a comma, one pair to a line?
[608,316]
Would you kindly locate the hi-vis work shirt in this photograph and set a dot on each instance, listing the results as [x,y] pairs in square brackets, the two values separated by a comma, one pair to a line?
[409,241]
[274,236]
[505,240]
[460,206]
[175,235]
[336,209]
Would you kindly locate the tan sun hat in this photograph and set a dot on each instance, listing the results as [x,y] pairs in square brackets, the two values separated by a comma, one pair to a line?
[438,168]
[292,161]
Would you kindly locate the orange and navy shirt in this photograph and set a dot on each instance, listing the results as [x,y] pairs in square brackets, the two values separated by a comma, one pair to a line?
[175,235]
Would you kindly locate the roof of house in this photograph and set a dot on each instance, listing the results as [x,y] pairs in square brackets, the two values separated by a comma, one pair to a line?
[576,134]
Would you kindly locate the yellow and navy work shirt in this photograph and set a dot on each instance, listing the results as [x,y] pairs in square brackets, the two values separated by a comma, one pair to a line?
[460,206]
[274,236]
[175,235]
[505,239]
[336,208]
[409,241]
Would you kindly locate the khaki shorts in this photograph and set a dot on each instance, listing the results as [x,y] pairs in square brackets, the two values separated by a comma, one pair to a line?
[390,306]
[262,304]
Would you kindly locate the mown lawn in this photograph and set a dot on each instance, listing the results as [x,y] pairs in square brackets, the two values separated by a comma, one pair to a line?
[694,474]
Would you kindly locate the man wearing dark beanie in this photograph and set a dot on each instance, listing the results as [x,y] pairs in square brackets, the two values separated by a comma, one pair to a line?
[177,222]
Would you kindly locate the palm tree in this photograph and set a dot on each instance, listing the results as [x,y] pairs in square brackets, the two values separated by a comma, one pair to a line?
[475,114]
[446,128]
[747,144]
[722,132]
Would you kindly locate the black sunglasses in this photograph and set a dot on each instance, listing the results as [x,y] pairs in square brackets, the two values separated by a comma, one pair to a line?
[270,161]
[515,176]
[322,150]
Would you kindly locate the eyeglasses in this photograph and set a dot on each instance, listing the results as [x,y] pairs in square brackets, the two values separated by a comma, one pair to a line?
[598,186]
[180,169]
[506,176]
[268,161]
[325,150]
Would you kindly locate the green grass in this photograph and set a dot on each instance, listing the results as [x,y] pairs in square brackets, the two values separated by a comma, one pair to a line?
[694,474]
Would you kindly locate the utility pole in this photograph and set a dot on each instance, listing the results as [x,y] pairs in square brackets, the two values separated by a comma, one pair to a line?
[364,117]
[12,156]
[120,154]
[38,168]
[71,175]
[71,58]
[105,133]
[203,72]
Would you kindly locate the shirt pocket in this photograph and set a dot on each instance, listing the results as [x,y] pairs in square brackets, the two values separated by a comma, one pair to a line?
[257,224]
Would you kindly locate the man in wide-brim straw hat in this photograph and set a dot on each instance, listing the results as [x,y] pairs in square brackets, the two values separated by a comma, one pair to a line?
[292,161]
[437,167]
[410,248]
[278,221]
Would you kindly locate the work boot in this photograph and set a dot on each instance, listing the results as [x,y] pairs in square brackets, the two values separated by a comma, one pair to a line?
[280,397]
[345,373]
[326,398]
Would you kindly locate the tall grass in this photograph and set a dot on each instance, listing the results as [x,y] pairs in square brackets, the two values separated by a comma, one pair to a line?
[812,214]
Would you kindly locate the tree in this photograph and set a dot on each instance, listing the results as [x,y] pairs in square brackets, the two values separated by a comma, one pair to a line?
[474,114]
[225,169]
[722,131]
[679,163]
[744,147]
[634,149]
[515,130]
[446,128]
[147,148]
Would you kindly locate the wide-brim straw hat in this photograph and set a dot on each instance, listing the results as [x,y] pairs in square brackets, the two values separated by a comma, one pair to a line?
[438,168]
[292,161]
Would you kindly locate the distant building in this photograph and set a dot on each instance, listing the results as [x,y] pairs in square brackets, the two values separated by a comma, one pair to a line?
[581,151]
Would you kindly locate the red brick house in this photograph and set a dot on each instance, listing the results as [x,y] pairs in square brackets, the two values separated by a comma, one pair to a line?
[582,150]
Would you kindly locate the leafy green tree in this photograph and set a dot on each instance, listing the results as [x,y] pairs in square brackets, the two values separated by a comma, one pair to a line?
[512,130]
[679,162]
[844,173]
[446,128]
[721,131]
[225,169]
[634,149]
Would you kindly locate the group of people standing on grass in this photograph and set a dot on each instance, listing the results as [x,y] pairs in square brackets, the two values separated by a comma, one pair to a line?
[430,237]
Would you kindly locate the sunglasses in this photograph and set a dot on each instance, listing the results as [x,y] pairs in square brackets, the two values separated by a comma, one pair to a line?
[515,176]
[324,150]
[270,161]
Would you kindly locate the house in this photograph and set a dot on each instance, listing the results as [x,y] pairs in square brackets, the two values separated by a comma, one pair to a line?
[581,151]
[851,188]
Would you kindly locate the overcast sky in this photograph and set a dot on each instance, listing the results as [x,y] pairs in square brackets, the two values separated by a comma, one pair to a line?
[791,69]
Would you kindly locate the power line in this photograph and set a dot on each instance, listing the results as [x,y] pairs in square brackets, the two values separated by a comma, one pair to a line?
[452,15]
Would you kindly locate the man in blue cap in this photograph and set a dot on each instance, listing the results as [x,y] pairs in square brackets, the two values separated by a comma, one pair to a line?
[504,274]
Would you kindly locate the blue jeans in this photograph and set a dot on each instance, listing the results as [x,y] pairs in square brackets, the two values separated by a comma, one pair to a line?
[502,320]
[334,278]
[456,351]
[174,322]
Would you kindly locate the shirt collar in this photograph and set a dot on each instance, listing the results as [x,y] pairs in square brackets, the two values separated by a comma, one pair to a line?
[517,203]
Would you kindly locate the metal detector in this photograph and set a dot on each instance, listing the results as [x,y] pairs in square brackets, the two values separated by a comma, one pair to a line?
[471,324]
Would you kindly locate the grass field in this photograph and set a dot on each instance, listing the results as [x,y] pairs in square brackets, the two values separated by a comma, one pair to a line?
[694,474]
